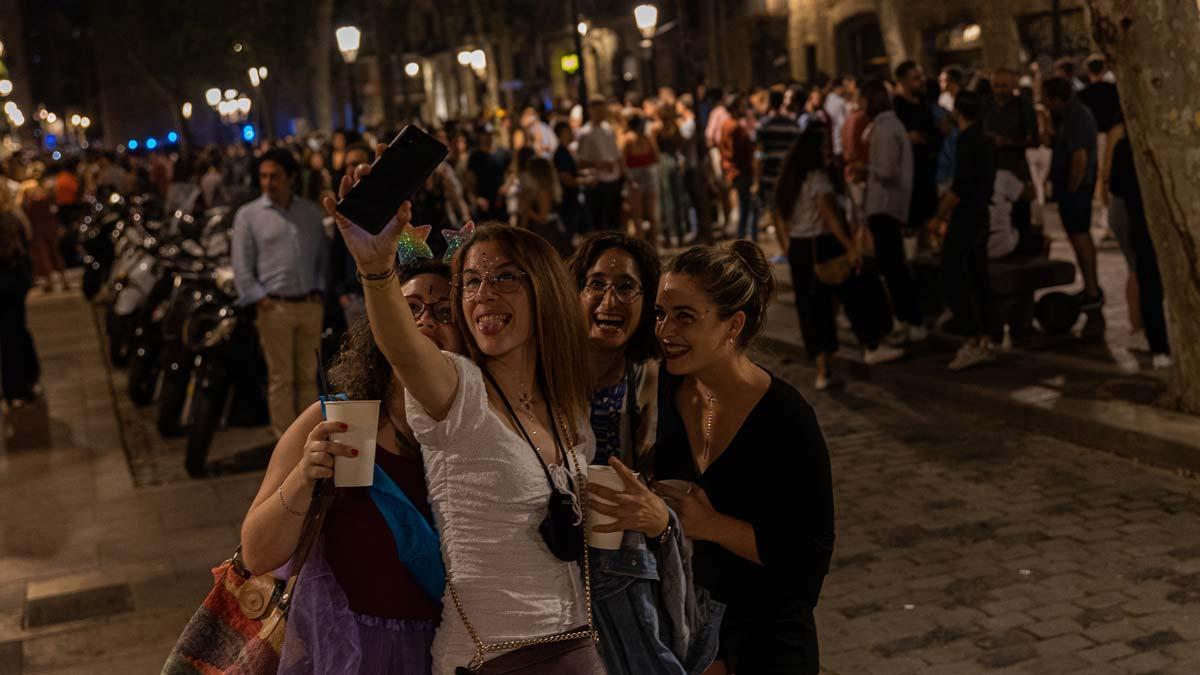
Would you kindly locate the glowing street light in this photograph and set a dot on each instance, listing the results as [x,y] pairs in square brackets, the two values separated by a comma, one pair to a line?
[85,121]
[262,72]
[464,58]
[255,80]
[10,107]
[412,69]
[349,38]
[213,96]
[186,110]
[230,94]
[646,17]
[6,87]
[478,60]
[51,118]
[583,28]
[75,119]
[243,105]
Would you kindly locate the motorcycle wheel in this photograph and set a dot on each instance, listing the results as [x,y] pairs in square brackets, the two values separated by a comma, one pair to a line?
[206,417]
[170,404]
[120,330]
[93,278]
[143,378]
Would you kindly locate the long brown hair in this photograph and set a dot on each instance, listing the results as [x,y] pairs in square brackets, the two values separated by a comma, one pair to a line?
[558,327]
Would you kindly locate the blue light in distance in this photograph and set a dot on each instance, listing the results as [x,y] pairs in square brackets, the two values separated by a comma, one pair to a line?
[172,137]
[151,144]
[132,144]
[248,132]
[51,140]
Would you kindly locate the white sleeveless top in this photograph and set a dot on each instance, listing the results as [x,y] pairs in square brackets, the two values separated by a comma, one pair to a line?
[489,494]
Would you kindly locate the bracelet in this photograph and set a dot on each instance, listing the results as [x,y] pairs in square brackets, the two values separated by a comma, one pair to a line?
[662,538]
[378,276]
[285,506]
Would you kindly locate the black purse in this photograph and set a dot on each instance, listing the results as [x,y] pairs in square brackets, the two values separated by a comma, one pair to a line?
[562,528]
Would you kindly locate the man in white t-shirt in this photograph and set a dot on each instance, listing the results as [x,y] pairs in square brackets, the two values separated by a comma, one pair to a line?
[598,152]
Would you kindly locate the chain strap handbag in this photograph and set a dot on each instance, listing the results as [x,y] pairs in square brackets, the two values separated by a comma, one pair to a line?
[574,651]
[239,628]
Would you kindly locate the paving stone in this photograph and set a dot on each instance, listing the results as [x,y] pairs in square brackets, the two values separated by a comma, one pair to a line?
[1145,662]
[1157,640]
[1054,627]
[1107,652]
[1007,656]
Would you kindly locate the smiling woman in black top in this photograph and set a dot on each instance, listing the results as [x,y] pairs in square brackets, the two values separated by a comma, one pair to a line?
[758,495]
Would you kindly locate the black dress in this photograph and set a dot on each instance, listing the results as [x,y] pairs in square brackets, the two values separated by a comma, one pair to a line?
[775,475]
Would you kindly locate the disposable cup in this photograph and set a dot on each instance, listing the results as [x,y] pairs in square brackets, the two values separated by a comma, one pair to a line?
[363,419]
[609,478]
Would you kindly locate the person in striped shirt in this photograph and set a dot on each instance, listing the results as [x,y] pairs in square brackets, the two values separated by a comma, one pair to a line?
[775,135]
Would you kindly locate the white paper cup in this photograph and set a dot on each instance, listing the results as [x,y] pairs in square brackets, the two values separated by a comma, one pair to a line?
[363,419]
[609,478]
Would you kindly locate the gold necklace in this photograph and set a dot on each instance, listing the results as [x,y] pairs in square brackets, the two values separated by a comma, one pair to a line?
[712,401]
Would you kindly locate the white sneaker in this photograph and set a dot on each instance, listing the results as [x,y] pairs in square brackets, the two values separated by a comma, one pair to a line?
[917,333]
[822,382]
[882,354]
[969,356]
[1162,361]
[1138,342]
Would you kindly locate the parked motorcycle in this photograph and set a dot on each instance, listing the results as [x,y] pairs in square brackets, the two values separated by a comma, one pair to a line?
[230,373]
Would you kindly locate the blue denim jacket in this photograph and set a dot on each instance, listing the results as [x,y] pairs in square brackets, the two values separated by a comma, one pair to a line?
[652,619]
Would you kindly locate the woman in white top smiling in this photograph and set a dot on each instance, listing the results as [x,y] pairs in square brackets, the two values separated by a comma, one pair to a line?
[503,433]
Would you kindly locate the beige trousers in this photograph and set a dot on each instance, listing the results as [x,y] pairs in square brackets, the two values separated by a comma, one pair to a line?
[290,333]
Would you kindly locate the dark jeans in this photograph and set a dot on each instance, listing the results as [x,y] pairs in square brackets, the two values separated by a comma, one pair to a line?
[862,295]
[19,367]
[965,282]
[747,209]
[1150,288]
[604,205]
[889,253]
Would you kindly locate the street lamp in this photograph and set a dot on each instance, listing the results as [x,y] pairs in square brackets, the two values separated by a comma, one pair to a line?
[412,69]
[478,62]
[255,80]
[6,87]
[583,28]
[213,96]
[349,38]
[85,121]
[231,94]
[186,110]
[51,118]
[646,17]
[75,119]
[464,58]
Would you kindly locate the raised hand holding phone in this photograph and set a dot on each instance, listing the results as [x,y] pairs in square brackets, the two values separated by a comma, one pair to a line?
[372,253]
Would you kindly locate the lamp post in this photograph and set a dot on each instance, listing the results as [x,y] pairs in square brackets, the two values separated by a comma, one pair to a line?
[476,60]
[258,79]
[580,32]
[348,40]
[646,18]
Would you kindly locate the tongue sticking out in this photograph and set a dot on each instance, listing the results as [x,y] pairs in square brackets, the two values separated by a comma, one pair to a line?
[492,323]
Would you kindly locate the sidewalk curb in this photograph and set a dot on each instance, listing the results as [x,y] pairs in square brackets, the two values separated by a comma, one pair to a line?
[1121,428]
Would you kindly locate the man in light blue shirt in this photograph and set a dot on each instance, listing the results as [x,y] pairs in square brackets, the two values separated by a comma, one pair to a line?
[280,264]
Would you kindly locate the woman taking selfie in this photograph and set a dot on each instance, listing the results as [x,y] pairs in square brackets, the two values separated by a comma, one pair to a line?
[745,460]
[613,273]
[359,608]
[503,433]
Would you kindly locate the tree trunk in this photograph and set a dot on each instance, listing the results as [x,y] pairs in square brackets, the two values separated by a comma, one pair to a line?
[1151,45]
[384,47]
[321,85]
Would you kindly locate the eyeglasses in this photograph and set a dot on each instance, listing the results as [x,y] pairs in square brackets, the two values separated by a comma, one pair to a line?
[441,310]
[504,281]
[626,290]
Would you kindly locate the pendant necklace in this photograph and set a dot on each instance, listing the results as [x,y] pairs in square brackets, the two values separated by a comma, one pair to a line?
[708,422]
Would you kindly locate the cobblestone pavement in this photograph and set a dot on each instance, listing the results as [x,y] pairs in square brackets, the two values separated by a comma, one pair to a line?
[968,546]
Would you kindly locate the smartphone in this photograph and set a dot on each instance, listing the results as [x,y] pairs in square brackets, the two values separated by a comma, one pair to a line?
[395,177]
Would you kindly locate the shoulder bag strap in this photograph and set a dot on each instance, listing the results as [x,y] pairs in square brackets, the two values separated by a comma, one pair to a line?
[322,497]
[589,631]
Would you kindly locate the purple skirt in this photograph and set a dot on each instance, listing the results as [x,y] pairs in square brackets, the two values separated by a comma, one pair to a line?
[325,637]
